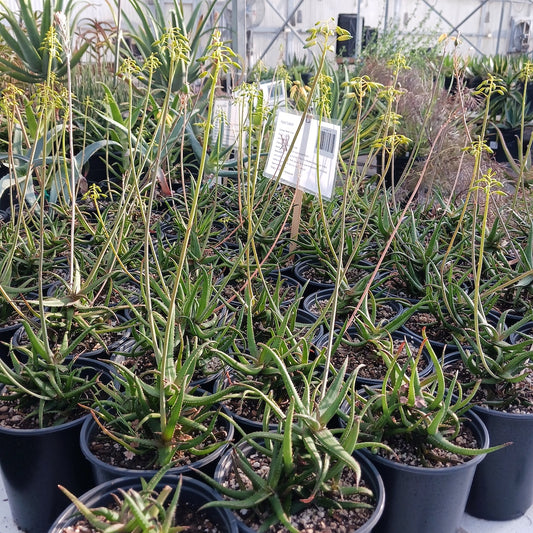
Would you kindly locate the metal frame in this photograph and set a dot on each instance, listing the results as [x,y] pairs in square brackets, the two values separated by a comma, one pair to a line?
[286,11]
[454,28]
[239,31]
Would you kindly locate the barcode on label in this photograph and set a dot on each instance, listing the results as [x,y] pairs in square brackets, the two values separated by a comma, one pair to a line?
[327,142]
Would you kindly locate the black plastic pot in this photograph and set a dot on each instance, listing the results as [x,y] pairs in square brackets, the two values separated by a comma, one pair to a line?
[101,166]
[503,485]
[427,500]
[100,353]
[286,283]
[502,488]
[304,318]
[103,471]
[439,347]
[369,474]
[301,269]
[396,168]
[522,333]
[310,302]
[426,368]
[511,137]
[194,493]
[301,273]
[246,424]
[6,334]
[35,461]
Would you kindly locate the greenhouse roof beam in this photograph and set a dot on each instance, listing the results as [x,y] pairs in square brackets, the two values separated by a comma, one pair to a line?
[282,28]
[455,28]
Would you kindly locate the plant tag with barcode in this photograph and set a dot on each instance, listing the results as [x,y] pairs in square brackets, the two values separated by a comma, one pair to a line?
[312,162]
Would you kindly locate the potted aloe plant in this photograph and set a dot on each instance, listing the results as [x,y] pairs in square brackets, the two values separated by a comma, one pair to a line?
[43,394]
[502,488]
[165,502]
[302,474]
[267,331]
[151,416]
[430,445]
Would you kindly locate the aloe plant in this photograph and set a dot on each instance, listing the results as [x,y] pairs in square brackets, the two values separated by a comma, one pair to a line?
[306,458]
[132,413]
[136,510]
[155,24]
[44,384]
[422,411]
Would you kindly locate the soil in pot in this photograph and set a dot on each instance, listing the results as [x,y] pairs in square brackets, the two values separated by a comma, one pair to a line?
[439,335]
[142,363]
[317,276]
[248,410]
[288,289]
[316,302]
[109,460]
[393,285]
[100,343]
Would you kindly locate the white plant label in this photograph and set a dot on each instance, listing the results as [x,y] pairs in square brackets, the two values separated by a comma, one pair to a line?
[312,163]
[274,94]
[229,119]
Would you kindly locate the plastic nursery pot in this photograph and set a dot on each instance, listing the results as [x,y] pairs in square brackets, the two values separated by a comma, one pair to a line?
[305,318]
[425,367]
[287,282]
[312,304]
[290,288]
[247,425]
[502,488]
[193,494]
[440,348]
[103,471]
[302,270]
[522,333]
[427,499]
[35,461]
[369,474]
[303,273]
[203,380]
[104,353]
[6,334]
[511,137]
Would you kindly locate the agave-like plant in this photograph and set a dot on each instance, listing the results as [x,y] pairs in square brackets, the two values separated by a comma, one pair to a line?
[47,386]
[30,59]
[502,367]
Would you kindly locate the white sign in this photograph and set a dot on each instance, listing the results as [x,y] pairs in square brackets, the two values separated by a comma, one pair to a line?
[312,163]
[229,119]
[274,93]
